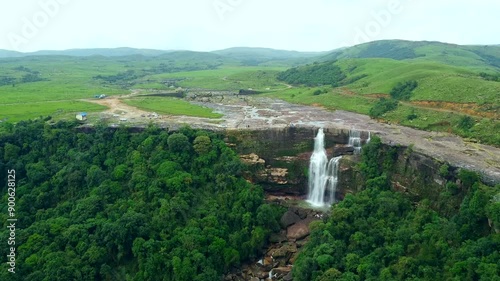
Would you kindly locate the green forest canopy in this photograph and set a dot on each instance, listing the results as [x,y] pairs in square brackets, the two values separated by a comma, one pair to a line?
[114,205]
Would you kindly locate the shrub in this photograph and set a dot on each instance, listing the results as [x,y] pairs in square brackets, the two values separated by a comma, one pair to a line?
[466,123]
[383,106]
[403,91]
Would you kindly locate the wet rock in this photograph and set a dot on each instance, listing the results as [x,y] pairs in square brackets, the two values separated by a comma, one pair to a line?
[285,250]
[289,218]
[298,231]
[301,213]
[288,277]
[340,149]
[277,238]
[280,272]
[268,263]
[263,275]
[301,243]
[293,258]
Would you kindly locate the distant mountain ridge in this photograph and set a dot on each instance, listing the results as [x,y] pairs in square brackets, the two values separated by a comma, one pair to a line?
[479,56]
[241,52]
[107,52]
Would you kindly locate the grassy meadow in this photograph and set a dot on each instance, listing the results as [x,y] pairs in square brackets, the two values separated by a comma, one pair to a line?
[55,85]
[55,109]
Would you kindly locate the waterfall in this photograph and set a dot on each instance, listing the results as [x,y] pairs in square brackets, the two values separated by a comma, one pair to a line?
[355,141]
[332,178]
[323,174]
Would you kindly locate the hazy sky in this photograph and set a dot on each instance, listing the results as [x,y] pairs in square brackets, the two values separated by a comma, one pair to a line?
[205,25]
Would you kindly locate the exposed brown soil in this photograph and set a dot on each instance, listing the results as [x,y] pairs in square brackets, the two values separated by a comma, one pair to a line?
[377,96]
[472,109]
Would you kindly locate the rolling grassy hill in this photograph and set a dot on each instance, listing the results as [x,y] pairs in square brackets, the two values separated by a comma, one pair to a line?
[266,56]
[453,82]
[477,57]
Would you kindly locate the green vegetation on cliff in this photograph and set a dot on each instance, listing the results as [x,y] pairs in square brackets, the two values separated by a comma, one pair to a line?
[379,234]
[114,205]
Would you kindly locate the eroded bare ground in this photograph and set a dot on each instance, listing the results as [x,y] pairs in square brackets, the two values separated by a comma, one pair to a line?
[257,113]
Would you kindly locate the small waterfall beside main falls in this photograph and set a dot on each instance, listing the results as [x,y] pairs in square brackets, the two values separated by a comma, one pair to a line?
[323,174]
[355,141]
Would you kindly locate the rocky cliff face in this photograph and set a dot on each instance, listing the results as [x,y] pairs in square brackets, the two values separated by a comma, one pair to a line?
[278,160]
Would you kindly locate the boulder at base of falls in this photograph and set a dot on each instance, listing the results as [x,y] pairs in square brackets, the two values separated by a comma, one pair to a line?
[280,272]
[277,238]
[298,231]
[289,218]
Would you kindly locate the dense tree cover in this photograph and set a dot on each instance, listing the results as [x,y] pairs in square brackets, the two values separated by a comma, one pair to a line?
[403,90]
[7,80]
[490,77]
[378,234]
[383,106]
[125,76]
[114,205]
[28,76]
[32,77]
[327,73]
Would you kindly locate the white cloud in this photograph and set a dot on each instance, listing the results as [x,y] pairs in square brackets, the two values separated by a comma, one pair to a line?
[312,25]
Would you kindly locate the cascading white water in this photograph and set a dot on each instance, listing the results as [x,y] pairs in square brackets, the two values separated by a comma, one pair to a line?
[332,174]
[355,140]
[317,171]
[323,174]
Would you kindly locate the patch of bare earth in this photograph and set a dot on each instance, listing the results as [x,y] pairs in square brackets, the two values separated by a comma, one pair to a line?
[472,109]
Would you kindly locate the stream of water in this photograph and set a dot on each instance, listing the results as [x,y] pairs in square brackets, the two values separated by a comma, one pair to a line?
[323,174]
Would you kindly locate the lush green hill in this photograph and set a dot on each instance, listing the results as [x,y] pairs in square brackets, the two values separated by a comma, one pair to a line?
[257,56]
[479,57]
[453,82]
[437,81]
